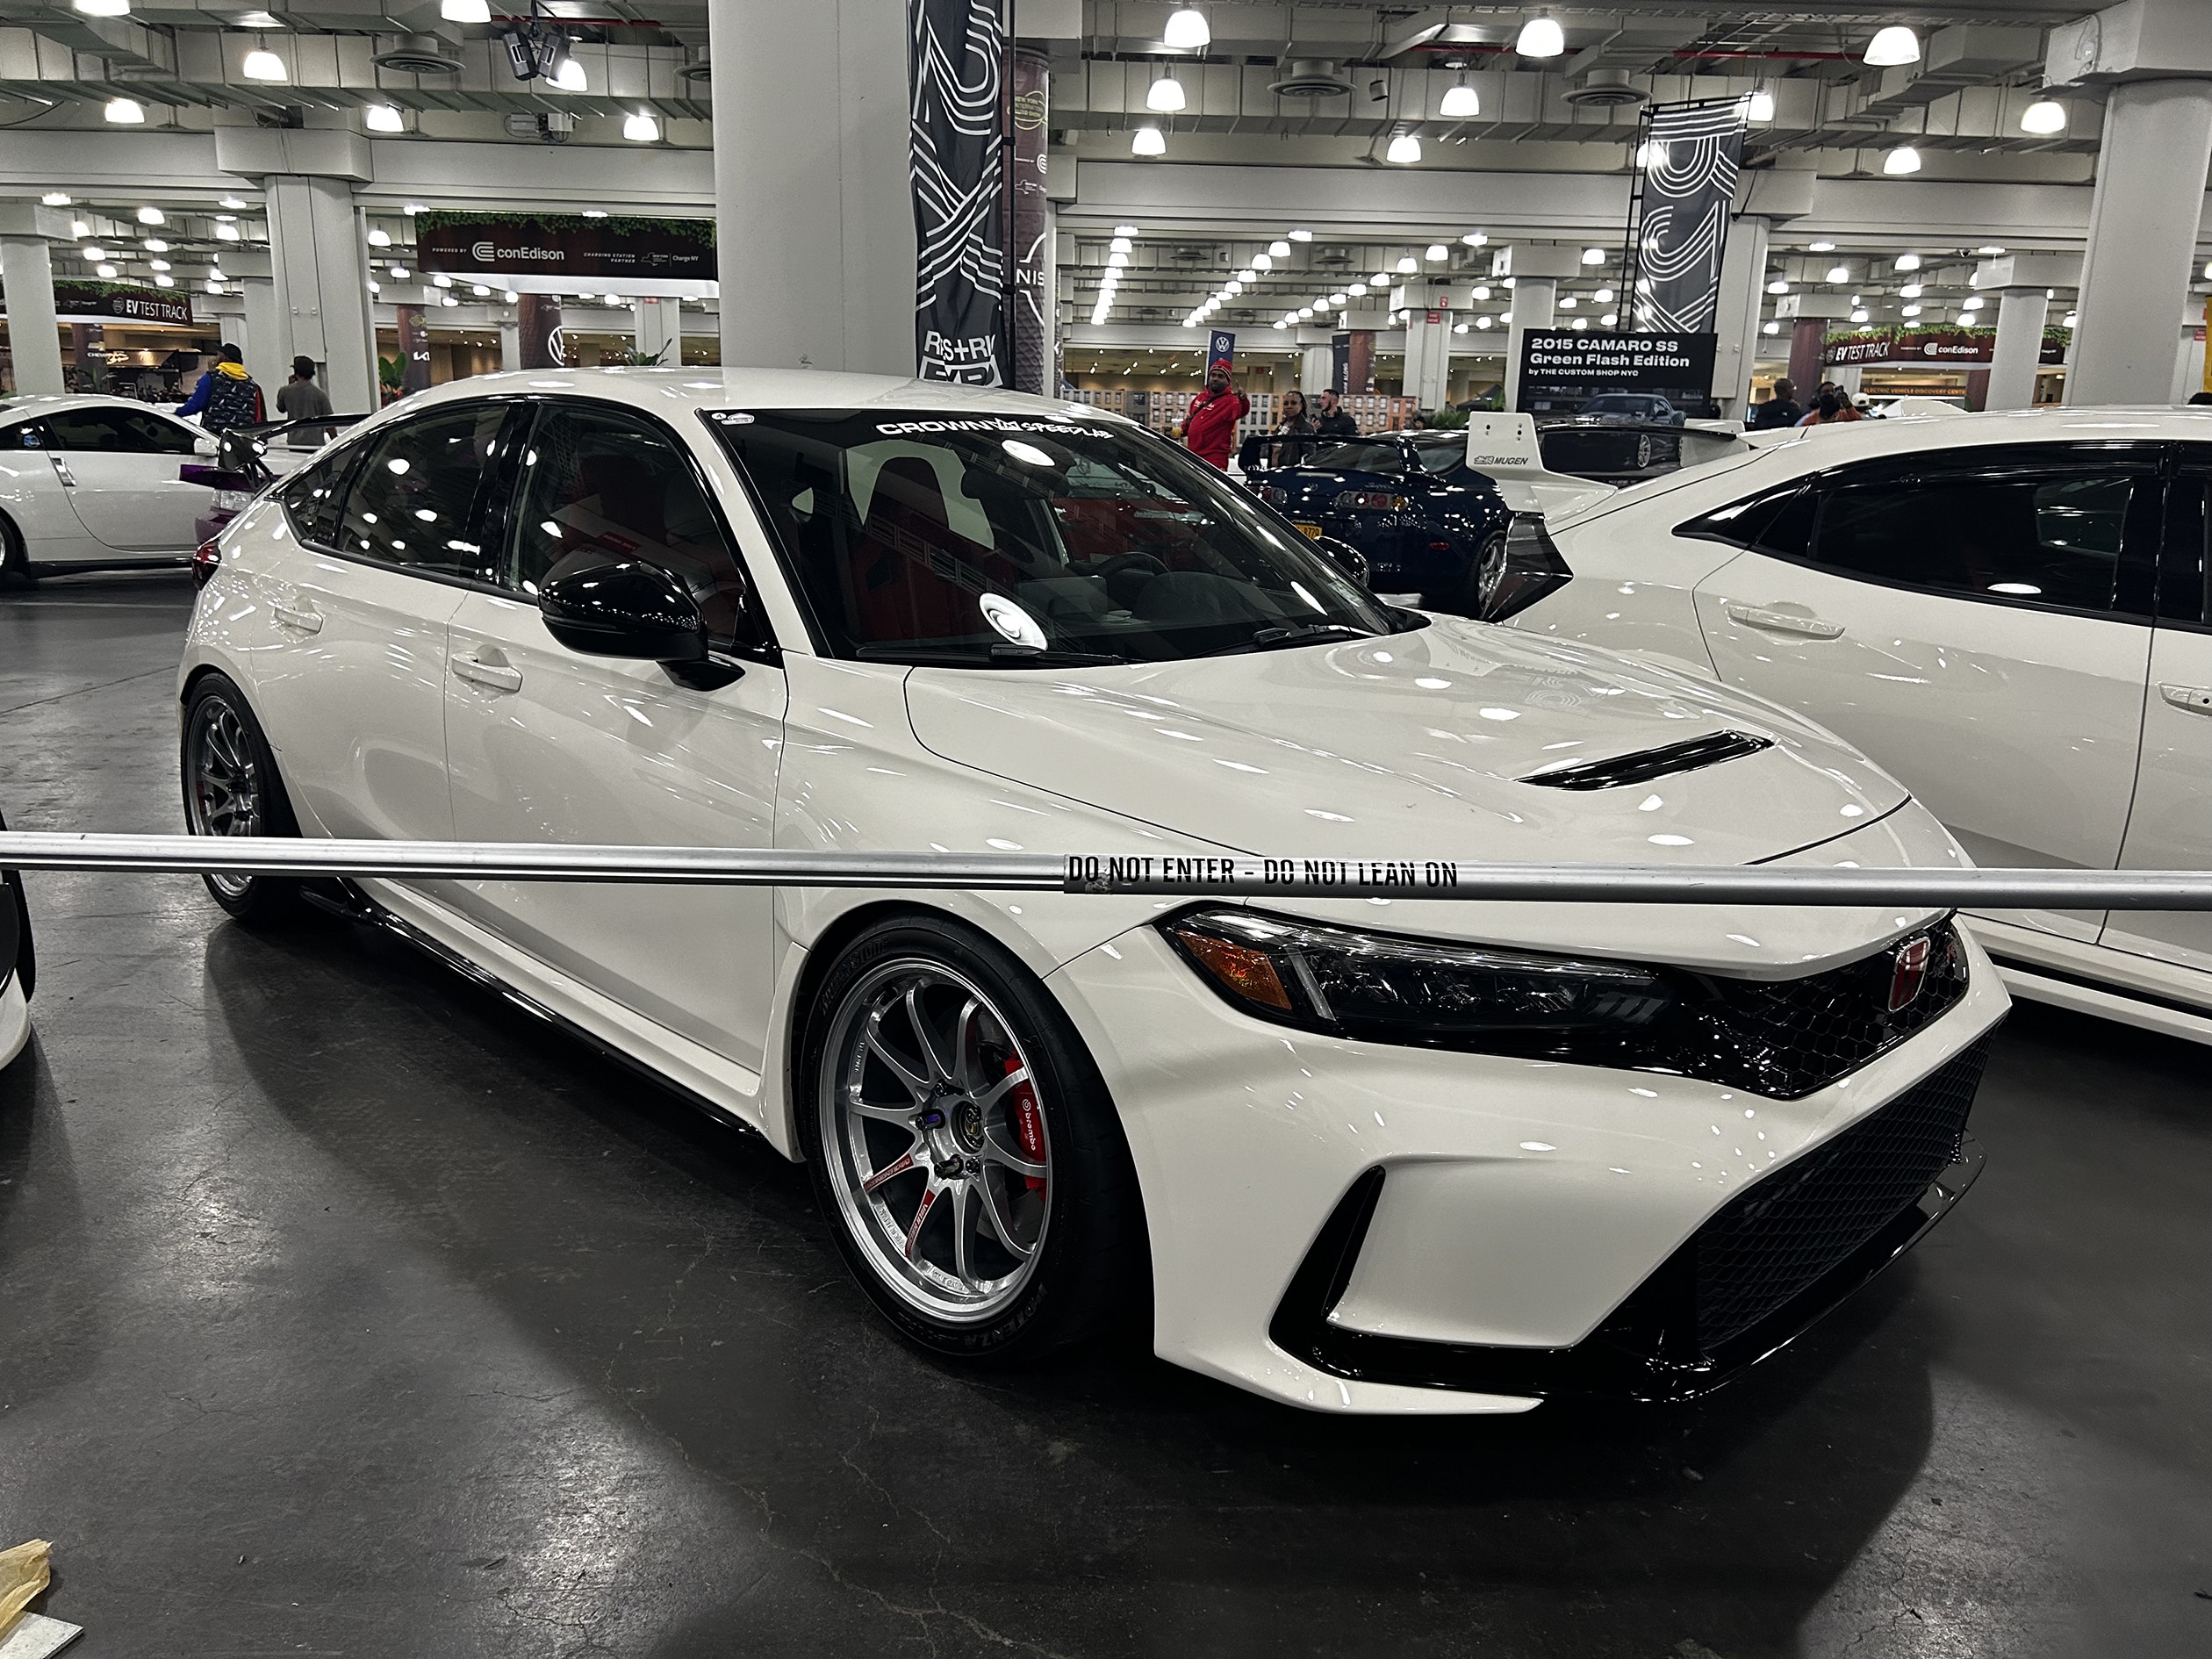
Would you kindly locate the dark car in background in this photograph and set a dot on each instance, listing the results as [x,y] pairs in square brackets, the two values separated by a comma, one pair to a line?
[1646,407]
[1408,502]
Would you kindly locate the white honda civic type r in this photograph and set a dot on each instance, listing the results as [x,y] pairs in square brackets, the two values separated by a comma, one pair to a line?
[1415,1156]
[2010,612]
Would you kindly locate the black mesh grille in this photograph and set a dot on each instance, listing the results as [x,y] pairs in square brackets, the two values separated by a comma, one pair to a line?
[1787,1038]
[1785,1233]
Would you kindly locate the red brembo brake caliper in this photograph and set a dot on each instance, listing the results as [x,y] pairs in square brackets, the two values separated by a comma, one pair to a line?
[1029,1123]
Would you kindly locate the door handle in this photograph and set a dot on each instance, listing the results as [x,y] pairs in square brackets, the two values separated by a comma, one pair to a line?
[1782,622]
[61,470]
[306,621]
[2197,699]
[490,674]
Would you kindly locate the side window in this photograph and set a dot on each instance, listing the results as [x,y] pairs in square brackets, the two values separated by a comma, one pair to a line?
[1778,521]
[91,432]
[602,482]
[32,434]
[2185,565]
[2052,537]
[150,435]
[413,501]
[311,497]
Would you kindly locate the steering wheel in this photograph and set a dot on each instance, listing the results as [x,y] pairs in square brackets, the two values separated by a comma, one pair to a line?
[1112,572]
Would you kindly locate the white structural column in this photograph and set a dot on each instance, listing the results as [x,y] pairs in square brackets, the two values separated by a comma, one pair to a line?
[510,343]
[813,220]
[2023,283]
[26,267]
[1317,363]
[320,263]
[1735,318]
[2143,229]
[1428,357]
[1535,268]
[266,343]
[660,332]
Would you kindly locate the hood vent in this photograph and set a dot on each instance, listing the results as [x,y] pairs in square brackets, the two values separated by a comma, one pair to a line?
[1647,763]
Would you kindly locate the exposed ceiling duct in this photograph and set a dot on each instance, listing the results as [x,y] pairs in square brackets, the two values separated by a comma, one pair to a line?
[420,54]
[1606,90]
[1311,78]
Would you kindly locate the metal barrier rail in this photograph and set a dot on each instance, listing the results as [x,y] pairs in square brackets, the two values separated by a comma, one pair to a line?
[1167,875]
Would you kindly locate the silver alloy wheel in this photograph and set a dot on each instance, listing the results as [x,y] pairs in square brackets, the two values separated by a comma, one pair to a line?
[1490,575]
[225,784]
[935,1139]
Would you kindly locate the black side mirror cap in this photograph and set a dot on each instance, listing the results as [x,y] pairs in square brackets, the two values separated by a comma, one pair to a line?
[614,608]
[1345,556]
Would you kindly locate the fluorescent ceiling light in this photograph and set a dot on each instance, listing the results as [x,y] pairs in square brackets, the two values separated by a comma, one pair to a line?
[1186,31]
[1760,105]
[1405,149]
[1459,102]
[1165,94]
[1894,45]
[125,112]
[641,128]
[1541,38]
[2043,116]
[465,11]
[1903,159]
[262,64]
[1148,140]
[384,118]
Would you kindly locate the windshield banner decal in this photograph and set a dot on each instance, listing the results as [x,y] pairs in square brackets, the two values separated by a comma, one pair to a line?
[955,65]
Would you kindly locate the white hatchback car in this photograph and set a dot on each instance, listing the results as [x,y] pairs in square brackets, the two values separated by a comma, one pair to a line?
[1414,1156]
[95,483]
[2008,612]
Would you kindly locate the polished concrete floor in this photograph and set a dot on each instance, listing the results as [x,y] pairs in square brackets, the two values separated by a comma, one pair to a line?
[345,1310]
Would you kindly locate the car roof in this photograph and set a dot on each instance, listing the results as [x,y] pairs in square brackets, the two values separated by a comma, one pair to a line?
[663,390]
[49,402]
[1903,435]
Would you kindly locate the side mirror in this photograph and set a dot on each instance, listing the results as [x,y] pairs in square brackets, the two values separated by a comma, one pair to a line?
[1345,556]
[204,446]
[607,607]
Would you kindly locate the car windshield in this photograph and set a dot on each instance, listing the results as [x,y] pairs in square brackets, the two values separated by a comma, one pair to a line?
[988,539]
[1440,455]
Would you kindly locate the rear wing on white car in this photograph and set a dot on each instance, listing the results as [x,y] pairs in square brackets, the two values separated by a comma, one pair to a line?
[1502,447]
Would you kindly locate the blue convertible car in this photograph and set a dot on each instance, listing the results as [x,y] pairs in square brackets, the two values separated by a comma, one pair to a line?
[1425,522]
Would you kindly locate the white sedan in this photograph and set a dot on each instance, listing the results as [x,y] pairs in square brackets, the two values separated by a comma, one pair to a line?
[2010,612]
[1403,1157]
[95,483]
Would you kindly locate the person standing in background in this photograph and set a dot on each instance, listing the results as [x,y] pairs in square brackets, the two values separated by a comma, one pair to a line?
[1209,431]
[1294,436]
[1781,410]
[227,396]
[300,398]
[1336,420]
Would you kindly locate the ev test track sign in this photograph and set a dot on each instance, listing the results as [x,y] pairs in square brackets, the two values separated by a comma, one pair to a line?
[1563,370]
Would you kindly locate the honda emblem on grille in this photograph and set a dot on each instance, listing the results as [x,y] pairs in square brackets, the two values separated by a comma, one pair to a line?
[1910,974]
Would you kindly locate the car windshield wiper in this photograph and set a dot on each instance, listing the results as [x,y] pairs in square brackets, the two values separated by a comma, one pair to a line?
[1275,639]
[998,655]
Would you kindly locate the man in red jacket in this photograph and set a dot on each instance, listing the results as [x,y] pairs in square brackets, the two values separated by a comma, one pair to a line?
[1210,431]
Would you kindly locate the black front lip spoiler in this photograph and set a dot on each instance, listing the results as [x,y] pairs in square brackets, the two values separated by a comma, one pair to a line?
[1653,1369]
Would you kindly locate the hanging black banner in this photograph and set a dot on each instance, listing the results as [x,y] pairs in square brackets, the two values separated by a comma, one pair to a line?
[1034,368]
[956,55]
[1686,165]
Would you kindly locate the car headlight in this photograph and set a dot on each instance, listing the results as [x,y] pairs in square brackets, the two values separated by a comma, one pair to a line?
[1376,985]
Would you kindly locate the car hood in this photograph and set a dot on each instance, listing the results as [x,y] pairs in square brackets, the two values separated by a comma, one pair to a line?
[1414,745]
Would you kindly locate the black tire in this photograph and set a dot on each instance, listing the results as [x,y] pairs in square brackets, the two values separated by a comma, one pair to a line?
[15,564]
[232,788]
[1088,1272]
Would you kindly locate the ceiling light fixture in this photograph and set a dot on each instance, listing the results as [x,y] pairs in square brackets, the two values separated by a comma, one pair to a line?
[1778,286]
[107,271]
[384,118]
[1839,273]
[1860,315]
[154,245]
[54,198]
[1165,94]
[92,251]
[465,11]
[2043,117]
[1405,149]
[1907,262]
[641,128]
[1593,257]
[1120,245]
[227,234]
[1148,140]
[1903,159]
[158,265]
[1911,291]
[1603,295]
[1760,105]
[104,8]
[151,216]
[125,112]
[1301,235]
[1911,311]
[1407,267]
[262,64]
[1186,31]
[1279,249]
[159,281]
[594,213]
[1541,38]
[379,237]
[1461,101]
[1894,45]
[565,73]
[1437,250]
[1820,247]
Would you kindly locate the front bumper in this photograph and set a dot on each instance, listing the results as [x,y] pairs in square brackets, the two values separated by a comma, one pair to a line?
[1525,1238]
